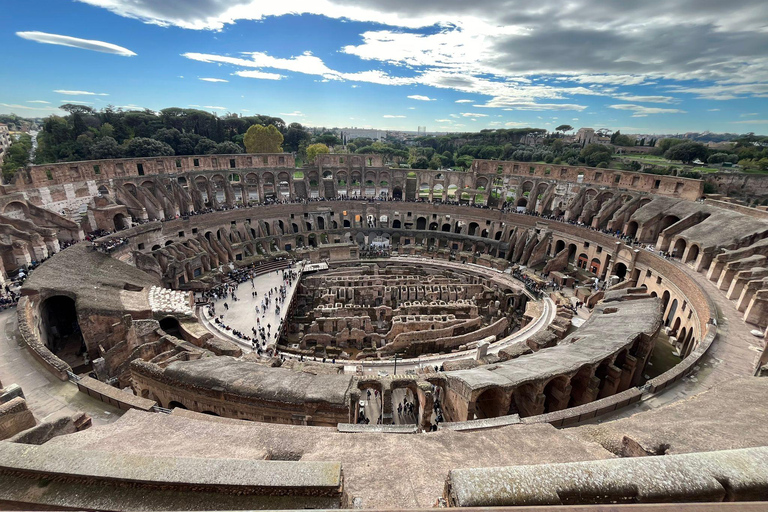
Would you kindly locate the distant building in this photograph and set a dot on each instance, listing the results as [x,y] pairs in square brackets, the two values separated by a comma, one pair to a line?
[350,134]
[5,140]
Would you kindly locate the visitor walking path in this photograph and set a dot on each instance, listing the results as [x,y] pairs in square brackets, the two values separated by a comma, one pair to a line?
[46,395]
[242,314]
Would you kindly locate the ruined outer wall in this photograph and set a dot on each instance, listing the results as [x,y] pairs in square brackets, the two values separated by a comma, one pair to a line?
[684,188]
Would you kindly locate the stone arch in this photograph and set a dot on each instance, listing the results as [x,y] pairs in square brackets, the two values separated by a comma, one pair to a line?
[671,313]
[620,270]
[693,253]
[120,222]
[421,223]
[60,329]
[171,326]
[472,230]
[491,403]
[103,191]
[173,404]
[679,249]
[397,193]
[631,229]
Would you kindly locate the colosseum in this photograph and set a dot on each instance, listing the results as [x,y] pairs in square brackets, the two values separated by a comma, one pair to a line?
[223,332]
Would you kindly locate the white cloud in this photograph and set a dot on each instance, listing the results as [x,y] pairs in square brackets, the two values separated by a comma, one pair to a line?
[76,42]
[713,110]
[295,113]
[515,124]
[420,97]
[751,121]
[442,120]
[261,75]
[389,116]
[27,107]
[748,115]
[79,102]
[641,111]
[38,101]
[215,108]
[464,101]
[213,80]
[644,99]
[471,114]
[80,93]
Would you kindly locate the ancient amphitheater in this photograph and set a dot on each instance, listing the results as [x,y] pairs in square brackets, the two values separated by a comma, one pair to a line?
[513,335]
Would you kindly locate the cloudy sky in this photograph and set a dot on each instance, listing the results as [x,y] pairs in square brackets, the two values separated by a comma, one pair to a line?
[450,65]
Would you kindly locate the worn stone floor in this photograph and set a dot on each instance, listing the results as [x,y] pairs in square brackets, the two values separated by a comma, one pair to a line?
[46,395]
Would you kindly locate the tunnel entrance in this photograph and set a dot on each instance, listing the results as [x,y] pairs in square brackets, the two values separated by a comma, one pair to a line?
[62,332]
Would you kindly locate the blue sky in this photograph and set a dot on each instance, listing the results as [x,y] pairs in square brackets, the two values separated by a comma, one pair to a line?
[450,65]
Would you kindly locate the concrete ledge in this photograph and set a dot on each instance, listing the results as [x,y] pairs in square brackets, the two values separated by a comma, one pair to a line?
[733,475]
[113,396]
[470,425]
[50,475]
[353,428]
[575,415]
[15,417]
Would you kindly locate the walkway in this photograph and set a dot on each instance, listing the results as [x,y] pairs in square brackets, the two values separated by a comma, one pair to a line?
[46,395]
[242,313]
[733,354]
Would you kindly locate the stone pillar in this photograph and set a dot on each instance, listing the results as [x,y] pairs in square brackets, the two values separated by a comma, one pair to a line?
[386,401]
[610,383]
[627,372]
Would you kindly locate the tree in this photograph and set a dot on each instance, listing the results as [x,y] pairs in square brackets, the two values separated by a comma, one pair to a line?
[622,140]
[17,156]
[564,128]
[420,162]
[314,150]
[144,147]
[686,152]
[295,135]
[205,147]
[593,154]
[263,139]
[464,161]
[227,148]
[435,162]
[106,147]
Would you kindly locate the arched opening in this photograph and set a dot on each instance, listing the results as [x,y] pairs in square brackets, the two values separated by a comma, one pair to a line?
[395,224]
[171,326]
[490,404]
[176,405]
[156,247]
[421,223]
[679,249]
[620,270]
[209,413]
[594,266]
[61,332]
[631,229]
[522,202]
[120,222]
[446,228]
[472,228]
[103,191]
[693,253]
[582,261]
[320,223]
[559,246]
[554,399]
[671,313]
[397,193]
[433,226]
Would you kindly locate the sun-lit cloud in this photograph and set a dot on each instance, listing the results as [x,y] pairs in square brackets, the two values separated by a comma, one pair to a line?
[390,116]
[261,75]
[464,101]
[76,42]
[215,80]
[420,97]
[295,113]
[38,101]
[80,93]
[641,111]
